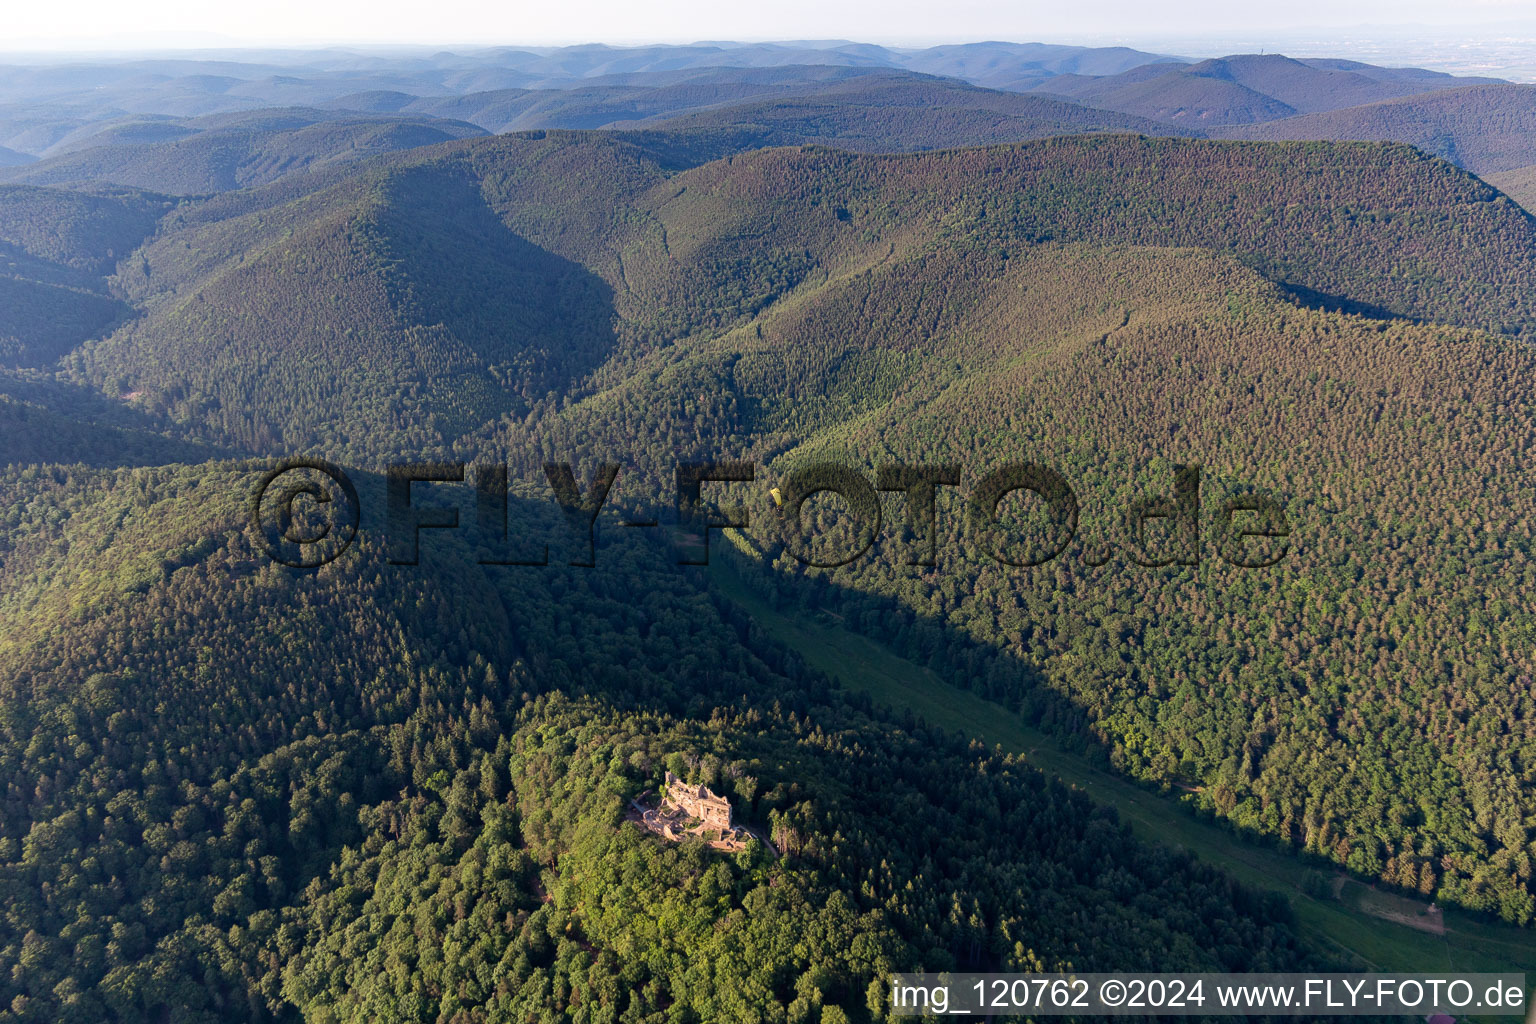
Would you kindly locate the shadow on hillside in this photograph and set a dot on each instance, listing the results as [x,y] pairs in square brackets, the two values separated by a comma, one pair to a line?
[927,642]
[539,322]
[50,421]
[1312,299]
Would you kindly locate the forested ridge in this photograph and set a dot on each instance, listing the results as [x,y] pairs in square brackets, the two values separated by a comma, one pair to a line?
[56,248]
[1249,88]
[1480,127]
[425,822]
[655,249]
[1388,651]
[215,154]
[385,792]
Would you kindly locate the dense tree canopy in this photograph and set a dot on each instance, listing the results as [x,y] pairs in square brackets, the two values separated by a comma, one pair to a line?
[374,791]
[212,805]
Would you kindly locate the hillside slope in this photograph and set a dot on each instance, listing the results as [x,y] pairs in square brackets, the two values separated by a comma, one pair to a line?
[1519,184]
[215,154]
[1367,699]
[409,313]
[1484,128]
[866,115]
[237,788]
[56,249]
[1283,315]
[632,97]
[668,254]
[1247,88]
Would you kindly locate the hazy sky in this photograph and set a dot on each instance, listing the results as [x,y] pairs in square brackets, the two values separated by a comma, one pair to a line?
[30,24]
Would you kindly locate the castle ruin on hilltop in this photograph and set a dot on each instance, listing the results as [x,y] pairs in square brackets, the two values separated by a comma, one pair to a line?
[698,802]
[693,810]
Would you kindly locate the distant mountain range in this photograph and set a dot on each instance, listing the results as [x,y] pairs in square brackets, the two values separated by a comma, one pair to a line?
[193,126]
[43,106]
[1247,88]
[219,152]
[1484,128]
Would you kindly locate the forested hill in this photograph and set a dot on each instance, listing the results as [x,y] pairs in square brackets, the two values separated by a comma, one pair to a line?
[216,153]
[1367,699]
[866,109]
[237,792]
[965,96]
[877,115]
[1283,314]
[1247,88]
[56,250]
[657,97]
[1485,128]
[390,344]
